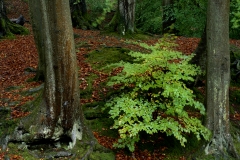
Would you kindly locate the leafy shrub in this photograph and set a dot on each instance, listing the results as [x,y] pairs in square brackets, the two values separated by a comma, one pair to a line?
[149,16]
[190,16]
[99,9]
[235,19]
[155,97]
[96,7]
[235,13]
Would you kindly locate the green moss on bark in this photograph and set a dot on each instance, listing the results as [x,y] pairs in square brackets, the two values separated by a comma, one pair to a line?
[17,29]
[8,29]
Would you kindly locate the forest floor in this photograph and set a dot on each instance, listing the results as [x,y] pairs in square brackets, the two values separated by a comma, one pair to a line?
[20,53]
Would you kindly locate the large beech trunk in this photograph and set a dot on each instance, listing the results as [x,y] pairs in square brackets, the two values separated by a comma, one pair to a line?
[127,15]
[56,117]
[60,113]
[218,79]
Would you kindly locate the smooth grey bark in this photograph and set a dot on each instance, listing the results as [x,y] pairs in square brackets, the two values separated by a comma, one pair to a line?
[127,15]
[218,80]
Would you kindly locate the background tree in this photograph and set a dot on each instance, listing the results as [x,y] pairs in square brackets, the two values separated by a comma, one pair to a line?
[218,79]
[200,58]
[149,16]
[7,28]
[167,21]
[124,18]
[127,15]
[79,16]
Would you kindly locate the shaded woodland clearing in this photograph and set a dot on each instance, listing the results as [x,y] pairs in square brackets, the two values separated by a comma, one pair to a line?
[19,54]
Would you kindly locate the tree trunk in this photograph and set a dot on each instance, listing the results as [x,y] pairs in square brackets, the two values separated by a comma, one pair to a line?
[166,21]
[200,58]
[59,113]
[127,15]
[56,115]
[79,14]
[38,29]
[7,28]
[218,79]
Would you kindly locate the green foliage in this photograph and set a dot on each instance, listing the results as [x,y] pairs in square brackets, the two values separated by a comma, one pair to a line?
[100,9]
[155,97]
[190,16]
[235,8]
[149,16]
[99,6]
[235,19]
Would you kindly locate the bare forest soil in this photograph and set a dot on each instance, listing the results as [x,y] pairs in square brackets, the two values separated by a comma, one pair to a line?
[20,53]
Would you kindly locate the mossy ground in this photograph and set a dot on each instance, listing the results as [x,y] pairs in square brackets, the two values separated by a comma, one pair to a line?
[137,36]
[7,123]
[47,149]
[99,59]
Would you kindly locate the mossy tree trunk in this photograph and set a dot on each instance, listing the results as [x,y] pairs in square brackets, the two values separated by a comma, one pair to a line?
[58,112]
[218,80]
[7,28]
[56,115]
